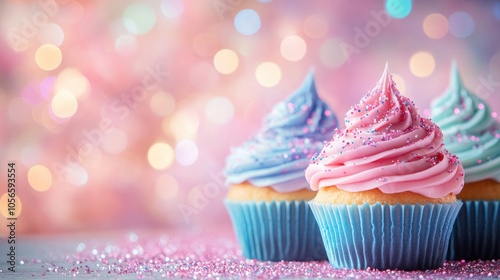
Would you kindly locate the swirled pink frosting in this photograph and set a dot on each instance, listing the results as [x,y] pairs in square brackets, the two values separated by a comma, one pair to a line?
[387,145]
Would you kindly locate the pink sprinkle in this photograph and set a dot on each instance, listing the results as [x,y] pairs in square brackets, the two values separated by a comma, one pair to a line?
[479,161]
[494,114]
[327,113]
[480,106]
[456,111]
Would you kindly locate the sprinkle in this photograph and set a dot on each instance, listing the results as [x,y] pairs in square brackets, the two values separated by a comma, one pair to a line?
[456,111]
[217,255]
[480,106]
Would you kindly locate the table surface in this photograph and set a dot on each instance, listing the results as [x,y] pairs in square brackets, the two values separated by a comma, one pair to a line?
[184,254]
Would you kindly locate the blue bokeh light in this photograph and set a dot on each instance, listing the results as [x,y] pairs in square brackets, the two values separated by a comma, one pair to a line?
[461,24]
[398,8]
[247,22]
[496,10]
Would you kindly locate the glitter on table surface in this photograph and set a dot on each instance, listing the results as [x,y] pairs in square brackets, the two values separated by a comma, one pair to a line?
[188,254]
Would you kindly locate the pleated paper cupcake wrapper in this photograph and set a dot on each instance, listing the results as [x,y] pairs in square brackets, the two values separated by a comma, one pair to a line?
[476,234]
[382,236]
[278,230]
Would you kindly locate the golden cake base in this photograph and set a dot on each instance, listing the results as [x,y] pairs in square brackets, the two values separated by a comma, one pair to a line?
[248,192]
[481,190]
[334,195]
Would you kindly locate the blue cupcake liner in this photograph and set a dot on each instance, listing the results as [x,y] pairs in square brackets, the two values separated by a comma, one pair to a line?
[476,233]
[277,230]
[383,236]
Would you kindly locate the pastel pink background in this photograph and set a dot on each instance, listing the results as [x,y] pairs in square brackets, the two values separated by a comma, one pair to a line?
[115,185]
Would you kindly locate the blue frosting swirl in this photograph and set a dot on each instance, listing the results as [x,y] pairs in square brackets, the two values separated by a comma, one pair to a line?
[278,155]
[469,130]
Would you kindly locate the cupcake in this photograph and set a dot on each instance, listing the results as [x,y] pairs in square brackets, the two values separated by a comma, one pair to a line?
[473,135]
[268,194]
[386,186]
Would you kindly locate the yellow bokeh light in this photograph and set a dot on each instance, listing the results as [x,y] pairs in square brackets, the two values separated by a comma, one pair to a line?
[400,83]
[422,64]
[64,104]
[226,61]
[70,79]
[40,178]
[160,156]
[166,187]
[293,48]
[183,125]
[435,26]
[4,206]
[48,57]
[162,103]
[268,74]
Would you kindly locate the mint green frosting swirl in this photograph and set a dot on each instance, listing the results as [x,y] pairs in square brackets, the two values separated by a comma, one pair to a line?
[469,130]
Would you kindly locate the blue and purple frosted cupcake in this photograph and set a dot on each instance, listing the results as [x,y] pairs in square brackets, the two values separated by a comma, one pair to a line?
[473,135]
[268,194]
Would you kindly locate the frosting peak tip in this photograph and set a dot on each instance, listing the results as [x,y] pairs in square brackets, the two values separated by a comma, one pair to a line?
[385,80]
[309,82]
[455,80]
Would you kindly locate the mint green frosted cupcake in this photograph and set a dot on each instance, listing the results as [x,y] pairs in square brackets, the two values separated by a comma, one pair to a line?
[473,135]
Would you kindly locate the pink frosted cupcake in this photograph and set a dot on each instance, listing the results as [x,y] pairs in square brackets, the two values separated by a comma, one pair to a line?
[386,186]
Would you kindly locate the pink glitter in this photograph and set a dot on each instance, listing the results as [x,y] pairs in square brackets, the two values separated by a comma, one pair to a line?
[207,255]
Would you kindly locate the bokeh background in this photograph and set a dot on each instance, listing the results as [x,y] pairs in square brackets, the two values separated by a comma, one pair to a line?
[119,114]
